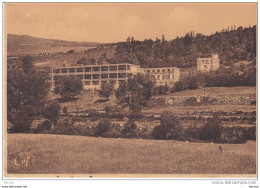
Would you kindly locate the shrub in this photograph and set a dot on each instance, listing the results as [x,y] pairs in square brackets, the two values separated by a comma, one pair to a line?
[103,126]
[65,110]
[43,127]
[106,90]
[112,134]
[129,129]
[178,86]
[169,128]
[192,133]
[51,111]
[211,131]
[162,90]
[110,108]
[250,133]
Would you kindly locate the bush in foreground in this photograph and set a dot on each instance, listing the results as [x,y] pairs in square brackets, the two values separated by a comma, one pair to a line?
[103,127]
[211,131]
[169,128]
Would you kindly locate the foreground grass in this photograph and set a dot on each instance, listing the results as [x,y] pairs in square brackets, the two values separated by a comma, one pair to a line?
[59,154]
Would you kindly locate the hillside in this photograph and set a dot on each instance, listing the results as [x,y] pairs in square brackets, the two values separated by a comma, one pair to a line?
[25,44]
[60,154]
[232,46]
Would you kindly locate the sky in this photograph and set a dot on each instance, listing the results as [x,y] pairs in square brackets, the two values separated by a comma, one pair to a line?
[114,22]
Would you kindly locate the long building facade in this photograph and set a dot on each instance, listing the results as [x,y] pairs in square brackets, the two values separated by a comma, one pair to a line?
[93,76]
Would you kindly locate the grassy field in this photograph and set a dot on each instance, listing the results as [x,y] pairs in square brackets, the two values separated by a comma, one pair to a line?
[58,154]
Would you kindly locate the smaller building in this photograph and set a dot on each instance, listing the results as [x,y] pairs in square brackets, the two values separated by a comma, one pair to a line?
[164,75]
[208,63]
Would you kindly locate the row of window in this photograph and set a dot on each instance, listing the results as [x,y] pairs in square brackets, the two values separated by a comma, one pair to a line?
[102,76]
[164,77]
[93,69]
[102,82]
[159,70]
[207,61]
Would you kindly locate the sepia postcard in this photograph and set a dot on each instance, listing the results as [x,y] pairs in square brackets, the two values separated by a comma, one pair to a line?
[139,90]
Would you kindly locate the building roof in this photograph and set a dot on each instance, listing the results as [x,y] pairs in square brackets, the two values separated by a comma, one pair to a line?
[81,66]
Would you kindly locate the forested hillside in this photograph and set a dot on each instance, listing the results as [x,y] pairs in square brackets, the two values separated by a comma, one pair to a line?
[232,46]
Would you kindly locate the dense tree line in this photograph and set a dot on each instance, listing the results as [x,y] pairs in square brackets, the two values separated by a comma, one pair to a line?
[232,46]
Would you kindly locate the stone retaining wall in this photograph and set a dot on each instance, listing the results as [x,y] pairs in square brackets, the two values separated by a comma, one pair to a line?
[179,100]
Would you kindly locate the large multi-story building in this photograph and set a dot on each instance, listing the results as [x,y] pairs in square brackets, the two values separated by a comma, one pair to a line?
[208,63]
[93,76]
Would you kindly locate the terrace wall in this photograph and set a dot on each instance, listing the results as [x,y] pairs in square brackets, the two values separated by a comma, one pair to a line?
[179,100]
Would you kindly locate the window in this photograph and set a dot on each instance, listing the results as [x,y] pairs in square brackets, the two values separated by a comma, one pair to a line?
[87,82]
[153,71]
[163,70]
[158,77]
[114,75]
[95,76]
[103,82]
[56,77]
[71,70]
[121,67]
[104,75]
[169,70]
[104,68]
[129,74]
[148,71]
[113,68]
[87,69]
[79,69]
[80,76]
[205,66]
[121,75]
[87,76]
[158,70]
[95,82]
[64,70]
[57,70]
[128,67]
[167,76]
[163,77]
[96,69]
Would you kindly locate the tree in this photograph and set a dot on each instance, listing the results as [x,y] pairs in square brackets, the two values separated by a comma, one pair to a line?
[170,127]
[136,92]
[211,130]
[68,87]
[51,111]
[103,127]
[27,89]
[106,90]
[129,129]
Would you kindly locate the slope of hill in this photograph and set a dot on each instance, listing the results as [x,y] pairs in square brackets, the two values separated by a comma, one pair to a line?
[232,46]
[25,44]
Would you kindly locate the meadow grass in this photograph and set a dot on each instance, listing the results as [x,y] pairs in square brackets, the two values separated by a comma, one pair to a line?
[60,154]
